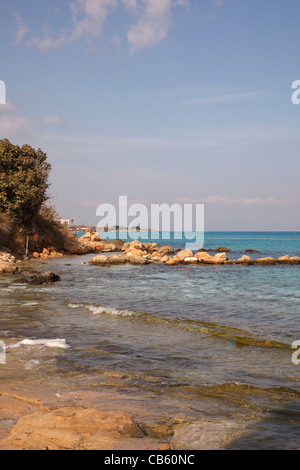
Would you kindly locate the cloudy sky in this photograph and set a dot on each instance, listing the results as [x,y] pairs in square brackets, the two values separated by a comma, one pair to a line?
[160,100]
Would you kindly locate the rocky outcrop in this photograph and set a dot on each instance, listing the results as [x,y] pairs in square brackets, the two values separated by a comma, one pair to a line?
[100,260]
[136,252]
[47,253]
[73,246]
[70,428]
[117,259]
[205,258]
[7,263]
[38,279]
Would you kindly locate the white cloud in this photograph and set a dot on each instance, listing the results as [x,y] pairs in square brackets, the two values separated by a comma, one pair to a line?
[89,17]
[152,23]
[21,30]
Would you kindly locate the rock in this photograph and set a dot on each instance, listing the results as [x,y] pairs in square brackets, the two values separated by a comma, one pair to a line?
[136,244]
[172,262]
[8,268]
[117,259]
[132,251]
[191,260]
[252,251]
[164,259]
[266,261]
[35,254]
[181,255]
[221,258]
[134,259]
[157,430]
[164,447]
[151,247]
[70,428]
[222,249]
[205,258]
[119,244]
[284,258]
[38,279]
[95,237]
[100,260]
[7,263]
[210,434]
[294,260]
[245,260]
[108,247]
[166,250]
[74,247]
[55,254]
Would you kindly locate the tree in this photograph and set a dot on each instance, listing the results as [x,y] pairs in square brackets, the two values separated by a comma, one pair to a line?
[24,174]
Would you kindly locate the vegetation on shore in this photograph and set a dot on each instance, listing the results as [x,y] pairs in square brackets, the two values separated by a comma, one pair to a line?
[25,212]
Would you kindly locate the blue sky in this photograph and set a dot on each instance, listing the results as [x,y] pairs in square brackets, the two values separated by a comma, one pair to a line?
[160,100]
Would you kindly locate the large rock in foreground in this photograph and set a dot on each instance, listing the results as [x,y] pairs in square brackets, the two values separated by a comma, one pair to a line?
[70,428]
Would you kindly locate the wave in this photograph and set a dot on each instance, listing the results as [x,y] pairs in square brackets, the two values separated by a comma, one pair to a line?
[50,343]
[98,310]
[241,338]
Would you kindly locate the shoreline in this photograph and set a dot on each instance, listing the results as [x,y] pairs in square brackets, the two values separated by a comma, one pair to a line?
[149,411]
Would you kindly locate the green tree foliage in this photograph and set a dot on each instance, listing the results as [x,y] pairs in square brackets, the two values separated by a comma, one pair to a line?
[24,174]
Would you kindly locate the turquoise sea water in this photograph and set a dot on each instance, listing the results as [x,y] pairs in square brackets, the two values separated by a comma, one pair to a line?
[214,341]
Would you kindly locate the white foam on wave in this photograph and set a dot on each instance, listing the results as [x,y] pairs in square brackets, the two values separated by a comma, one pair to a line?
[109,311]
[98,310]
[70,305]
[50,343]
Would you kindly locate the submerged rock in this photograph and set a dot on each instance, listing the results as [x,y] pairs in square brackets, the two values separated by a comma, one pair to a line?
[222,249]
[38,279]
[70,428]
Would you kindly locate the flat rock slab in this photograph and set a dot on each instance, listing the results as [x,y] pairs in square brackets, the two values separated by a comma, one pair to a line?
[71,428]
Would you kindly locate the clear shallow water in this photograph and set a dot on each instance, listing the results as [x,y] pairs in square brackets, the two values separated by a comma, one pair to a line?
[214,340]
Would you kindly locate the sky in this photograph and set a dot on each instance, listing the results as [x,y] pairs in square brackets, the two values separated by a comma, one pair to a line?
[164,101]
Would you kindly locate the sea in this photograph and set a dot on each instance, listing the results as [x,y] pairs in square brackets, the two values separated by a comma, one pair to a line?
[209,350]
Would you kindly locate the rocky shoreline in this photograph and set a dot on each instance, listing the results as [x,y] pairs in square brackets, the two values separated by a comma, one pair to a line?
[119,252]
[30,422]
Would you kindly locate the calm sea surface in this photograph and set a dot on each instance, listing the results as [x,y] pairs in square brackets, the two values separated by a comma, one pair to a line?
[215,341]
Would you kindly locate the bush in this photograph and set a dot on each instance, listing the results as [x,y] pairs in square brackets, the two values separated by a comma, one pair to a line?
[24,174]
